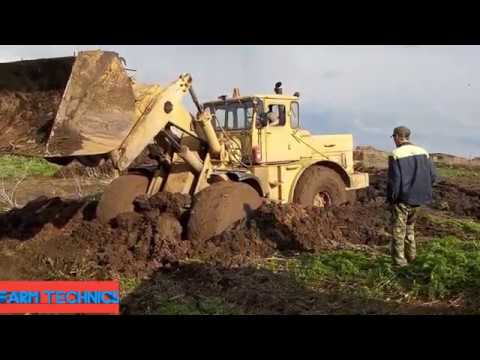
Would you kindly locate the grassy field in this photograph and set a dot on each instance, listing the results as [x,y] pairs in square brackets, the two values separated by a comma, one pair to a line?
[12,166]
[446,272]
[444,268]
[453,172]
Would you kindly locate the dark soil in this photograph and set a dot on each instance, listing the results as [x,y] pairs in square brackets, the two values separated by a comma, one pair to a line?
[153,236]
[26,120]
[457,197]
[30,95]
[75,169]
[251,290]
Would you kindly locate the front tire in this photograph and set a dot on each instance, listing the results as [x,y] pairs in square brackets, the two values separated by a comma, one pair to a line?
[119,196]
[320,186]
[218,206]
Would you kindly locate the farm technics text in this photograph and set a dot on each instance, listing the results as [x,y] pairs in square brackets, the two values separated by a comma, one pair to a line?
[59,297]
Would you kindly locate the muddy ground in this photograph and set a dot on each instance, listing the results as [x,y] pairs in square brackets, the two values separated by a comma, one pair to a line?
[54,238]
[21,191]
[255,290]
[135,244]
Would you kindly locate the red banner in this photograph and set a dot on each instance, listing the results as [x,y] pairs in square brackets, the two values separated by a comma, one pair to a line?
[59,297]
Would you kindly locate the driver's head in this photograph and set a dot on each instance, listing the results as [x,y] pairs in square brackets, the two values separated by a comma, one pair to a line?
[272,117]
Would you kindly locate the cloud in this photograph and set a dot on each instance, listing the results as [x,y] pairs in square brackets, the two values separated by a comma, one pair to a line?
[366,90]
[330,74]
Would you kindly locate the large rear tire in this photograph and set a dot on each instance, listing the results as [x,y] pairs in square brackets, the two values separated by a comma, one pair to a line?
[220,205]
[119,196]
[320,186]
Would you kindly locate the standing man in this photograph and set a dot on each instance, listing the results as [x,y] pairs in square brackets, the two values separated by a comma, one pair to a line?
[411,175]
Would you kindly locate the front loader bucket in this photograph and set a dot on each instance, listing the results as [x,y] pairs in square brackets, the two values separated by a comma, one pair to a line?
[72,106]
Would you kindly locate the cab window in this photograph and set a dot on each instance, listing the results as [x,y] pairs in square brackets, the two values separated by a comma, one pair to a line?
[294,115]
[280,114]
[233,116]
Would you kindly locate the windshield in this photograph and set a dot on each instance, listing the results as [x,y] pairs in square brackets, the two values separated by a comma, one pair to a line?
[233,116]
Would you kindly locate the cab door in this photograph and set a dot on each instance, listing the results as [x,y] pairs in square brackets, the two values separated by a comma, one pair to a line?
[278,145]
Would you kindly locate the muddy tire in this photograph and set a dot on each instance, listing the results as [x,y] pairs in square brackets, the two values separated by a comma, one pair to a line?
[352,197]
[217,207]
[119,195]
[320,186]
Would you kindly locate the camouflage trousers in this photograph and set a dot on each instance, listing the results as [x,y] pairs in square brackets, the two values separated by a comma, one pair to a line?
[403,247]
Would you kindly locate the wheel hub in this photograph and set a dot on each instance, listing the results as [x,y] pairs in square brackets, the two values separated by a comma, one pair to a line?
[322,199]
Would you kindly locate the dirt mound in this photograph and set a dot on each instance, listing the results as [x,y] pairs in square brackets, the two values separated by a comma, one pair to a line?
[45,216]
[369,156]
[377,189]
[175,204]
[67,240]
[463,200]
[453,160]
[26,119]
[297,228]
[75,169]
[136,243]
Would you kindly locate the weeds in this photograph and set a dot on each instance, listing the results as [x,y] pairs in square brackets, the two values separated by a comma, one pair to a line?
[13,166]
[8,198]
[203,306]
[467,226]
[444,268]
[127,285]
[446,171]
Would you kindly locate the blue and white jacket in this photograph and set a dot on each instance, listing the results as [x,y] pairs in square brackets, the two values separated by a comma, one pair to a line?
[411,174]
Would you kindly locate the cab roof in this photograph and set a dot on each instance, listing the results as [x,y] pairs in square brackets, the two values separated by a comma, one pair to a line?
[260,96]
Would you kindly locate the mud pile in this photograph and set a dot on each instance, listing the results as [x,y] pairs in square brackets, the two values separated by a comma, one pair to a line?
[45,217]
[65,239]
[377,189]
[461,199]
[369,156]
[75,169]
[134,244]
[310,229]
[26,119]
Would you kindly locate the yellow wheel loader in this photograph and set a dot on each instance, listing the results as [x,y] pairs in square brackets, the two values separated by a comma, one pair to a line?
[233,155]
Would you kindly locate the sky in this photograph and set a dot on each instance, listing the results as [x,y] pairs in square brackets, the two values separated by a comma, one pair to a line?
[363,90]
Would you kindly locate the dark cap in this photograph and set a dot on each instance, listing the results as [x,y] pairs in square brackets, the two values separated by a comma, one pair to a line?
[402,132]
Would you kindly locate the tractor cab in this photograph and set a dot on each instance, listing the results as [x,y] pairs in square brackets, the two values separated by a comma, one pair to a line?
[260,126]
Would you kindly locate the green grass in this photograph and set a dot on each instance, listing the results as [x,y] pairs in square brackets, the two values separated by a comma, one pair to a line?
[204,306]
[444,268]
[12,166]
[153,300]
[127,285]
[446,171]
[467,226]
